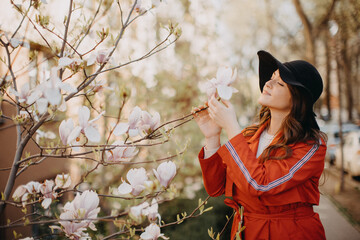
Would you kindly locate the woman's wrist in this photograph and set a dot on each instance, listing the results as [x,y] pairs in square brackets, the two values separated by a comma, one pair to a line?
[233,130]
[212,142]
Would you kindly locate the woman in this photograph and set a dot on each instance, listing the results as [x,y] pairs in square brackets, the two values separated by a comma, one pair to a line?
[271,168]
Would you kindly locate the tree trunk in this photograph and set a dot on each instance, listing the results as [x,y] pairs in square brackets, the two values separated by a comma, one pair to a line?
[328,60]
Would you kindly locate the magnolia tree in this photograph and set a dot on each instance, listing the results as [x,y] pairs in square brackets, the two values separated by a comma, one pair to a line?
[73,71]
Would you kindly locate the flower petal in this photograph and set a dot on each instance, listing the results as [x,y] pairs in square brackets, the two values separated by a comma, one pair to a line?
[92,134]
[120,129]
[84,116]
[124,188]
[224,92]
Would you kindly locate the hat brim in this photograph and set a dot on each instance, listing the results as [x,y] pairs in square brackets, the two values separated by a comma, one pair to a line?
[268,64]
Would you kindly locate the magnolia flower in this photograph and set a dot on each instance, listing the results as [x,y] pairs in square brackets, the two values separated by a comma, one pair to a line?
[137,179]
[221,84]
[100,57]
[84,206]
[134,118]
[121,153]
[48,92]
[152,211]
[63,181]
[120,128]
[41,134]
[137,212]
[152,232]
[148,123]
[26,191]
[48,193]
[98,86]
[65,128]
[23,94]
[165,173]
[86,126]
[69,62]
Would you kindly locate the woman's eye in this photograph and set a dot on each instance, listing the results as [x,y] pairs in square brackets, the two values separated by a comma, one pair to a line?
[280,84]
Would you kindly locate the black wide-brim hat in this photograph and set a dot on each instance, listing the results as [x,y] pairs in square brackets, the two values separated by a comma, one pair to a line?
[297,73]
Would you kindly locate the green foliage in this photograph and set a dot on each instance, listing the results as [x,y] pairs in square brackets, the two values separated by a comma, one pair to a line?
[196,228]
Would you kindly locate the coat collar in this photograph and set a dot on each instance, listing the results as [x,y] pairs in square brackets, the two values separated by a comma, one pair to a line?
[253,141]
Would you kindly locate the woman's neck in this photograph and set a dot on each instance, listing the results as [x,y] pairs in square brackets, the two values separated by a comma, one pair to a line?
[276,121]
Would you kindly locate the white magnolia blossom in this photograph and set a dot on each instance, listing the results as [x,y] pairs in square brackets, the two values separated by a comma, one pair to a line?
[65,128]
[221,84]
[120,129]
[99,57]
[49,92]
[47,190]
[165,172]
[152,232]
[148,123]
[137,179]
[121,153]
[63,181]
[66,61]
[140,122]
[84,206]
[23,93]
[152,211]
[42,134]
[86,126]
[137,212]
[26,191]
[134,118]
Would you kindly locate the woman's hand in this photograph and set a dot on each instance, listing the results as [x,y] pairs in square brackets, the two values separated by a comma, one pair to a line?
[223,114]
[207,126]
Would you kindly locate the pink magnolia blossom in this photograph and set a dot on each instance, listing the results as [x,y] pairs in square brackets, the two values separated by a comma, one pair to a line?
[137,179]
[137,212]
[141,122]
[152,232]
[165,172]
[41,134]
[63,181]
[152,211]
[85,208]
[23,94]
[49,92]
[121,153]
[47,189]
[86,126]
[26,191]
[221,84]
[134,118]
[99,57]
[148,123]
[120,129]
[69,62]
[65,128]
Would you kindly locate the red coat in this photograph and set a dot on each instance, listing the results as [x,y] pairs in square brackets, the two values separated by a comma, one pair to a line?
[277,195]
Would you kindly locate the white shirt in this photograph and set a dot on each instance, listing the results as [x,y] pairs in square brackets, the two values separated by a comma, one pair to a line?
[264,142]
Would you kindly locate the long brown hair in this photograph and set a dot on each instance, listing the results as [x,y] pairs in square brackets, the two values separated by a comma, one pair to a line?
[298,126]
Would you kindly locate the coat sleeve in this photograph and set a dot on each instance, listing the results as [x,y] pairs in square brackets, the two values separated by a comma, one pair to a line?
[213,173]
[273,176]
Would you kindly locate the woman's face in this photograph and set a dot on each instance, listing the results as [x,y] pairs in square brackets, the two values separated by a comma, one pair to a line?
[276,94]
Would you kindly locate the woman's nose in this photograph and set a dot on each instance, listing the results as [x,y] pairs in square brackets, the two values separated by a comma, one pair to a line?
[269,84]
